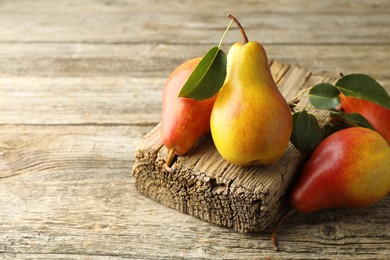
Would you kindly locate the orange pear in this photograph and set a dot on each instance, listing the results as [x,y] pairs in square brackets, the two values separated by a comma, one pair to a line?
[184,120]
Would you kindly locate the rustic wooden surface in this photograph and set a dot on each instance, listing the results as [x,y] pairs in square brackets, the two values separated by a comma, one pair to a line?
[80,85]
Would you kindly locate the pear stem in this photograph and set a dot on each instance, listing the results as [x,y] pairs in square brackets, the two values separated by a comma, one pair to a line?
[240,27]
[287,212]
[169,161]
[223,36]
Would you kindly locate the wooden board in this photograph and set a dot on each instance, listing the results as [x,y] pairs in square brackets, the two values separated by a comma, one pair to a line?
[204,185]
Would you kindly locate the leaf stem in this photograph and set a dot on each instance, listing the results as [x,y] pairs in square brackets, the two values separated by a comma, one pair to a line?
[343,119]
[240,27]
[223,36]
[301,92]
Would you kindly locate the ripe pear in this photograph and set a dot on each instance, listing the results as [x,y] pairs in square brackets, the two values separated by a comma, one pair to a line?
[350,168]
[378,116]
[184,120]
[251,121]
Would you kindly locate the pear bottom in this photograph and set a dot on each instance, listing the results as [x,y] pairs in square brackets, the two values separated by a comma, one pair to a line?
[246,141]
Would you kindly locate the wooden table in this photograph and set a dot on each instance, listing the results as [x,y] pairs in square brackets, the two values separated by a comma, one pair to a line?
[81,84]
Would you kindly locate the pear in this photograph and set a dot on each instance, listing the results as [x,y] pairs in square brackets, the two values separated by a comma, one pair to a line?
[184,121]
[348,169]
[378,116]
[251,121]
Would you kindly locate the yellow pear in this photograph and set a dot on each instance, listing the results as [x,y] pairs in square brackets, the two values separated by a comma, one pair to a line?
[251,121]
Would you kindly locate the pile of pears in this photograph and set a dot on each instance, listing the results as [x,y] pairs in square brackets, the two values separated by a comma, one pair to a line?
[251,124]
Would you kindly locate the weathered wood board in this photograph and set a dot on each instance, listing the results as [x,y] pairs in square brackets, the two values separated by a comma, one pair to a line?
[204,185]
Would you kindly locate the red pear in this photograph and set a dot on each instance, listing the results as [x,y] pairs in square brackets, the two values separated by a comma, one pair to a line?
[378,116]
[349,169]
[184,120]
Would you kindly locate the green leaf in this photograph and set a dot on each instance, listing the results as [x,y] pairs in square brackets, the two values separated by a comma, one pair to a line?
[351,119]
[365,87]
[331,128]
[324,96]
[306,133]
[208,77]
[344,120]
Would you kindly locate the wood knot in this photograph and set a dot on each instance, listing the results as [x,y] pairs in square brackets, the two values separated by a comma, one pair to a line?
[328,231]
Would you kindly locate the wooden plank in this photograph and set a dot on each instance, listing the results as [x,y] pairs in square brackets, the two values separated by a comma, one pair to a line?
[259,6]
[269,28]
[98,218]
[70,100]
[152,63]
[206,186]
[41,153]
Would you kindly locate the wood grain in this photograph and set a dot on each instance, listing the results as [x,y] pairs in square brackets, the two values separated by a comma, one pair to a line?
[101,218]
[152,63]
[80,86]
[293,23]
[134,6]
